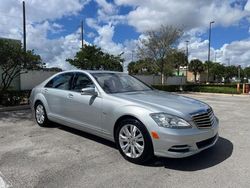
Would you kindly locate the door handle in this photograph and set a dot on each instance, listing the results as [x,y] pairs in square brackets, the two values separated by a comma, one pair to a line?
[70,95]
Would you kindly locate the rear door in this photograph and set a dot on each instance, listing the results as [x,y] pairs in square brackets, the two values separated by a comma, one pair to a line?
[56,93]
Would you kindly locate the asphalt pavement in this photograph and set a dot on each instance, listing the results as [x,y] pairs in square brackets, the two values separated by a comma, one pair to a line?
[31,156]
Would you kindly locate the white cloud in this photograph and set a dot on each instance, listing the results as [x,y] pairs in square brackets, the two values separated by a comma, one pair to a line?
[107,19]
[106,7]
[91,22]
[40,15]
[54,52]
[188,14]
[39,10]
[193,15]
[91,35]
[108,12]
[247,6]
[235,53]
[104,40]
[69,45]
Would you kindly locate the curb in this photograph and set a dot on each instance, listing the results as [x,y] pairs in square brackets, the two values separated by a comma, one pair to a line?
[220,94]
[14,108]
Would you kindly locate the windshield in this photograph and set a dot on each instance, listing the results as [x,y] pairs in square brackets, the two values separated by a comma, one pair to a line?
[119,83]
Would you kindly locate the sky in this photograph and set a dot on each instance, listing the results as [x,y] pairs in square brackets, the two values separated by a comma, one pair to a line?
[53,27]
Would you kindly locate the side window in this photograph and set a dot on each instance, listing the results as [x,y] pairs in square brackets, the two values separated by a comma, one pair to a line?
[82,81]
[62,81]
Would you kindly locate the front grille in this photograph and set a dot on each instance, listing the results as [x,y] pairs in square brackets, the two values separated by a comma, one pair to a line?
[204,120]
[206,143]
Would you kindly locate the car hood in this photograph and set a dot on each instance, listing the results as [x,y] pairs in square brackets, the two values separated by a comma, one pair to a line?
[160,101]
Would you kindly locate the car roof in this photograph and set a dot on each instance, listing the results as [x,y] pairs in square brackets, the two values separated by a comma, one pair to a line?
[92,71]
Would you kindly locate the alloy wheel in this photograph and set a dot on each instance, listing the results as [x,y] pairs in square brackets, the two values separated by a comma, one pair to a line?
[40,114]
[131,141]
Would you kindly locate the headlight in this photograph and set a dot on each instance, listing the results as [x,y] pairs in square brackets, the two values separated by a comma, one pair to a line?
[169,121]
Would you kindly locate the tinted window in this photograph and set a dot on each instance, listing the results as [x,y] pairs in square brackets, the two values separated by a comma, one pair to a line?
[62,81]
[119,83]
[82,81]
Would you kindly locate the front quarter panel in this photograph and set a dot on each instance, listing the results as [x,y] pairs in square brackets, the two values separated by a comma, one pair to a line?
[117,109]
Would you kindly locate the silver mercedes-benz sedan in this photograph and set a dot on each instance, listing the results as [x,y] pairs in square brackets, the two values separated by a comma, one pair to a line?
[142,121]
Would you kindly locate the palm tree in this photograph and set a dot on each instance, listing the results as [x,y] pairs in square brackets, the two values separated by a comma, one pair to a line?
[196,66]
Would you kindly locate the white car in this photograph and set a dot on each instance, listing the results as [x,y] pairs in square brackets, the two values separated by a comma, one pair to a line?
[141,121]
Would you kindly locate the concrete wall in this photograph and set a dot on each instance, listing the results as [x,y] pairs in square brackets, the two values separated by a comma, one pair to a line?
[32,78]
[149,79]
[156,80]
[176,80]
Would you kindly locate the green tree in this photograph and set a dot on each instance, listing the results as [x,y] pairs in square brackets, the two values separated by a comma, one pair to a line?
[247,72]
[13,59]
[132,68]
[142,66]
[196,66]
[158,45]
[177,59]
[230,72]
[169,68]
[218,70]
[93,58]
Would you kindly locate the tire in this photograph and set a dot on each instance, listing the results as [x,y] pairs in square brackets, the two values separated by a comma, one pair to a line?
[41,115]
[136,147]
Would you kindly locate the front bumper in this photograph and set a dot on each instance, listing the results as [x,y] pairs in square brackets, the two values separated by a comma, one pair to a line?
[179,143]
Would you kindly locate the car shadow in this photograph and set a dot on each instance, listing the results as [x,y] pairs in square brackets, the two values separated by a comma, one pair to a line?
[84,134]
[213,156]
[221,151]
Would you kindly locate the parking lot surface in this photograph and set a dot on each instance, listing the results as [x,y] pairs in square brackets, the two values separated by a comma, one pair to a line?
[31,156]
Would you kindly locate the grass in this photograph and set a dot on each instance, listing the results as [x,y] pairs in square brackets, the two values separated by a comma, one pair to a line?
[227,89]
[214,89]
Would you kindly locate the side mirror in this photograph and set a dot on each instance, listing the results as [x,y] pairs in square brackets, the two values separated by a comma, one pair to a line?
[89,91]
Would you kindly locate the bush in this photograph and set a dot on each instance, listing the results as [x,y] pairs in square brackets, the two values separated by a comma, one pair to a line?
[12,98]
[213,88]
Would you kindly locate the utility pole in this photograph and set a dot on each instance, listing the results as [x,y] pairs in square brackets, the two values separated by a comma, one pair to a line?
[24,28]
[132,55]
[209,41]
[187,60]
[24,33]
[239,67]
[82,33]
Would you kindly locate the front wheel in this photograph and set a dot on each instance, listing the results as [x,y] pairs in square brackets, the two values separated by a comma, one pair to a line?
[41,115]
[133,141]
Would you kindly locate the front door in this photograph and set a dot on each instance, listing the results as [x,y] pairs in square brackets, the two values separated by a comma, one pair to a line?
[85,110]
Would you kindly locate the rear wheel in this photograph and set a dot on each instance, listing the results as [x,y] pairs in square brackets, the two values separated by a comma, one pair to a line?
[41,115]
[133,141]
